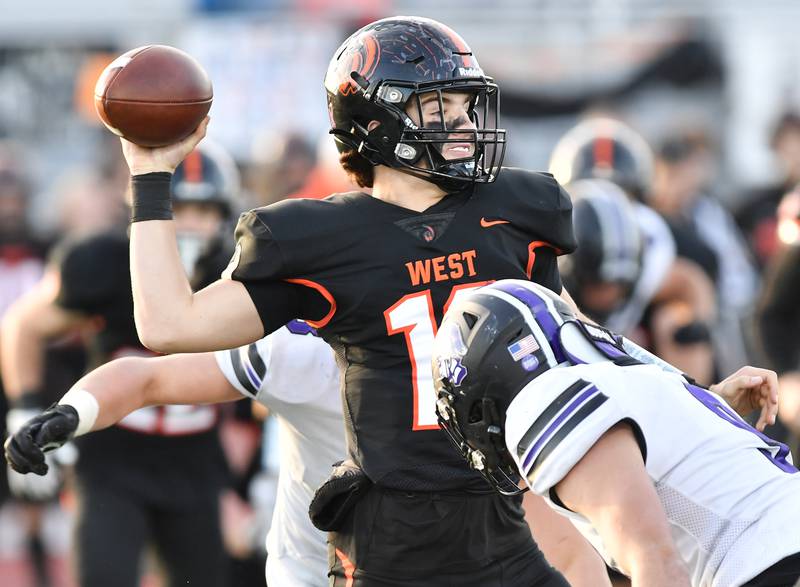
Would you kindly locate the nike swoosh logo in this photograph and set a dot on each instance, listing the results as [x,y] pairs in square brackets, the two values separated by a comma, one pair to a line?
[487,223]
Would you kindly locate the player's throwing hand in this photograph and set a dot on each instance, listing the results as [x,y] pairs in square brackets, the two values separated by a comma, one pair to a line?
[149,160]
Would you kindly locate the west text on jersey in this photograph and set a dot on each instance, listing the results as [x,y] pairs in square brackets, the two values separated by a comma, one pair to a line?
[452,266]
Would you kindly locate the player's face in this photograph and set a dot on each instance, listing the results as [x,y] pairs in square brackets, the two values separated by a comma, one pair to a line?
[200,219]
[455,116]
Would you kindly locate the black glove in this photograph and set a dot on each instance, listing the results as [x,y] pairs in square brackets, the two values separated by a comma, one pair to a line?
[49,430]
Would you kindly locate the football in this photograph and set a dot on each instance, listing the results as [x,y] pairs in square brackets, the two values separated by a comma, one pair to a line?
[153,95]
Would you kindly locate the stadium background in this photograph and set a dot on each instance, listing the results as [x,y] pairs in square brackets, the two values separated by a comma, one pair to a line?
[724,69]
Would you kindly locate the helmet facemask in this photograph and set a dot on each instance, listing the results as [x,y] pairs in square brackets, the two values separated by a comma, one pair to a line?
[421,148]
[493,462]
[401,142]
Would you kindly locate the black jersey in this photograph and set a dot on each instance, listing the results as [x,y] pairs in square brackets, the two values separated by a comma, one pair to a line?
[387,275]
[95,281]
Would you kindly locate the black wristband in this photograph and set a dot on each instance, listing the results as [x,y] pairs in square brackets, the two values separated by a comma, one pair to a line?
[150,193]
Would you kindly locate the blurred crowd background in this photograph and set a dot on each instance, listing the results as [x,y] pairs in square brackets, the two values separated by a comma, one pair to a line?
[713,86]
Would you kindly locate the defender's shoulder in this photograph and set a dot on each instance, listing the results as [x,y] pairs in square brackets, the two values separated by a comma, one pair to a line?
[532,190]
[557,418]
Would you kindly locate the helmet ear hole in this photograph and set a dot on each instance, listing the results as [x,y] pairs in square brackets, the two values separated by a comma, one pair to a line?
[470,319]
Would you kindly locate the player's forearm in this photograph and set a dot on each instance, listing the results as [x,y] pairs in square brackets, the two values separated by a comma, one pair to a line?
[169,317]
[563,545]
[21,352]
[125,385]
[640,542]
[119,387]
[584,569]
[162,296]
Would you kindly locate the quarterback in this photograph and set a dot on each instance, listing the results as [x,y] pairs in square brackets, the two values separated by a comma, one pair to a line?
[415,119]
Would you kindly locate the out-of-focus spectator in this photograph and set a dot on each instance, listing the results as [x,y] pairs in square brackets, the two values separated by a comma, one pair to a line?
[280,167]
[683,169]
[87,203]
[778,324]
[706,233]
[21,267]
[757,217]
[327,177]
[671,305]
[20,254]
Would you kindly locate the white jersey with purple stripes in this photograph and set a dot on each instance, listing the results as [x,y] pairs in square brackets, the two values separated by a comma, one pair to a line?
[731,495]
[294,374]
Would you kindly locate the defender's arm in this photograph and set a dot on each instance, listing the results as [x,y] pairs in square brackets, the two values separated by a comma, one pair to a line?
[563,545]
[611,488]
[125,385]
[27,326]
[108,394]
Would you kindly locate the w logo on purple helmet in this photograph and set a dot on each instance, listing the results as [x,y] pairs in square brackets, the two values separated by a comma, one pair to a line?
[452,369]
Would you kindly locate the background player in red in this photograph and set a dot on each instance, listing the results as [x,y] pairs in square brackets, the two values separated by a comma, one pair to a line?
[170,500]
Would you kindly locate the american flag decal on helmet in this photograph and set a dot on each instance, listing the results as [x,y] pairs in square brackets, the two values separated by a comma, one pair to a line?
[523,347]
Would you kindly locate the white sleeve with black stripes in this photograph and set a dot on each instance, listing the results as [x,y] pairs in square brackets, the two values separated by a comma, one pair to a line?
[292,365]
[246,367]
[554,421]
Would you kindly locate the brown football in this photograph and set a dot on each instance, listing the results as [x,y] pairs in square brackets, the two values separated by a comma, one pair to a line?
[153,96]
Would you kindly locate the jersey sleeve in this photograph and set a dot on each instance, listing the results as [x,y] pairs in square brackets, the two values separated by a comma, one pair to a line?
[554,421]
[258,255]
[545,268]
[260,264]
[246,367]
[542,209]
[93,272]
[290,366]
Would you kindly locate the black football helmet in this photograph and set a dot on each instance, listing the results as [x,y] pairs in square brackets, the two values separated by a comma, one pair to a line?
[381,70]
[492,342]
[208,174]
[610,247]
[604,148]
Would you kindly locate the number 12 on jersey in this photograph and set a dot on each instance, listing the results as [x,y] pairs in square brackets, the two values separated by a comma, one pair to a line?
[413,316]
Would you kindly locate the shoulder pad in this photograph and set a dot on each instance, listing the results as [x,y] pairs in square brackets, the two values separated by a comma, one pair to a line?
[555,420]
[282,240]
